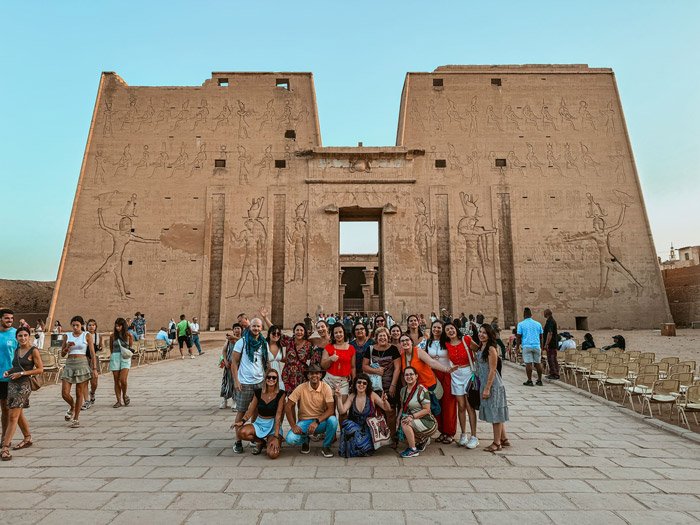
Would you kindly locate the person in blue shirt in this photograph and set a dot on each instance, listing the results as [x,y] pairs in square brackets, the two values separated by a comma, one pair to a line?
[529,336]
[8,343]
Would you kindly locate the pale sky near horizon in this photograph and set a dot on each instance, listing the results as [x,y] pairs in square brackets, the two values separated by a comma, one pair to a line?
[53,53]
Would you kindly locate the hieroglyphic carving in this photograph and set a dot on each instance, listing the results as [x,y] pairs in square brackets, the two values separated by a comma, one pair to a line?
[514,163]
[434,119]
[585,116]
[587,159]
[510,116]
[473,115]
[223,117]
[143,163]
[492,119]
[609,116]
[183,115]
[601,236]
[264,165]
[163,115]
[254,239]
[146,118]
[618,159]
[107,130]
[243,160]
[243,125]
[121,237]
[200,159]
[570,159]
[268,117]
[473,163]
[479,244]
[530,116]
[182,160]
[552,159]
[424,232]
[299,238]
[160,165]
[453,161]
[547,117]
[202,115]
[131,115]
[100,170]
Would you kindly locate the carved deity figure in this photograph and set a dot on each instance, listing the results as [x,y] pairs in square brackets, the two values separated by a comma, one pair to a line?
[222,118]
[202,115]
[477,239]
[114,264]
[122,165]
[424,232]
[298,238]
[243,113]
[254,239]
[243,161]
[565,114]
[600,235]
[492,119]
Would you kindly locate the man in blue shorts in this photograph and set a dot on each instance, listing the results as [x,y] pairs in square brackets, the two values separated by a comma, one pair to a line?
[529,336]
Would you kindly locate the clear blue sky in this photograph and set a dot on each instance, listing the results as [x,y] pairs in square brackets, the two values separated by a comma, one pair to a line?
[52,54]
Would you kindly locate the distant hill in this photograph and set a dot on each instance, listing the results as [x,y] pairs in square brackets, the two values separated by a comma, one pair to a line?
[26,296]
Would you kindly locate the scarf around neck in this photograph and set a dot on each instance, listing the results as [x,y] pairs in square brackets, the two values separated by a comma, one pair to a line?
[252,345]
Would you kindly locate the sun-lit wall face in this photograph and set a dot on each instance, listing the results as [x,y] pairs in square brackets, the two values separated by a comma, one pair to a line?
[359,237]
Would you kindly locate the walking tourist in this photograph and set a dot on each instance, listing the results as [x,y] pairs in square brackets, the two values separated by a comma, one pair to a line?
[183,336]
[308,323]
[26,363]
[92,330]
[461,353]
[57,328]
[8,343]
[494,405]
[355,436]
[262,422]
[529,334]
[139,323]
[194,330]
[447,418]
[276,353]
[77,370]
[120,344]
[172,329]
[40,334]
[228,388]
[416,423]
[310,411]
[248,368]
[551,344]
[297,356]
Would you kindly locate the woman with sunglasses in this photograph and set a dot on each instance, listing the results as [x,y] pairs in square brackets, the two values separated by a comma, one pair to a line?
[265,415]
[416,423]
[276,352]
[297,357]
[26,363]
[355,436]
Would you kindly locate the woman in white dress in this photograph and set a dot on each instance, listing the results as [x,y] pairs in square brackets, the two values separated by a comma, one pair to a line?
[276,353]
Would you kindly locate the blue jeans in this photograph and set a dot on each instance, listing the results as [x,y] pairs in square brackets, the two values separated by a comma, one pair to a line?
[195,341]
[329,426]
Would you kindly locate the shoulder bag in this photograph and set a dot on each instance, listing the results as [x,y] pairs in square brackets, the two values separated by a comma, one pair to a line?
[376,379]
[127,353]
[378,428]
[473,385]
[35,381]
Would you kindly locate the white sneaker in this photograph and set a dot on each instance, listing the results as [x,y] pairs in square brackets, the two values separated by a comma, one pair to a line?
[224,403]
[182,357]
[191,356]
[473,442]
[463,440]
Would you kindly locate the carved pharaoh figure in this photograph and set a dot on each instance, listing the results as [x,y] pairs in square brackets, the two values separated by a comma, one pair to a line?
[298,239]
[477,239]
[424,231]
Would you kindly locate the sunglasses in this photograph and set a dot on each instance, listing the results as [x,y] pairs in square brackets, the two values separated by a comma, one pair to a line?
[362,382]
[271,377]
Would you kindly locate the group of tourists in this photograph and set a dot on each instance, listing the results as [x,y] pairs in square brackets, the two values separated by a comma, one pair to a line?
[379,389]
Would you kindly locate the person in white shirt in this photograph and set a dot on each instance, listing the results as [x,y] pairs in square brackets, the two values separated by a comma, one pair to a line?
[194,328]
[568,342]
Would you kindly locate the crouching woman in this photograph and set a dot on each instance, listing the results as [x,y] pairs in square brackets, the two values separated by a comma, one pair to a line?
[265,415]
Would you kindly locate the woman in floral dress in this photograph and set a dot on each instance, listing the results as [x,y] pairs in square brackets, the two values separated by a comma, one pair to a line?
[297,358]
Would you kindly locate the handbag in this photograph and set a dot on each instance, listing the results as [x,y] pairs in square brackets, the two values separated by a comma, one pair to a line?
[379,430]
[127,353]
[35,381]
[375,379]
[474,384]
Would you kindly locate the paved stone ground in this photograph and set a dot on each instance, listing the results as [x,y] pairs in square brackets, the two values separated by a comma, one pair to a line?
[167,459]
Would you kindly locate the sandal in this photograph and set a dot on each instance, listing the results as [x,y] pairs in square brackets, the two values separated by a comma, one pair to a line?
[116,405]
[75,423]
[505,443]
[69,415]
[447,440]
[440,438]
[493,447]
[127,400]
[5,454]
[25,443]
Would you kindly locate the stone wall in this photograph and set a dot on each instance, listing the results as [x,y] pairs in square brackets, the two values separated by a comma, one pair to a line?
[683,291]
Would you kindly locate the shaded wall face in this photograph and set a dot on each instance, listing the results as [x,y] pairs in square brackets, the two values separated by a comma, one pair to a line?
[546,156]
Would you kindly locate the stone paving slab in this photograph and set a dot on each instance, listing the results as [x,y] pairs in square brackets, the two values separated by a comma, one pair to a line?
[167,459]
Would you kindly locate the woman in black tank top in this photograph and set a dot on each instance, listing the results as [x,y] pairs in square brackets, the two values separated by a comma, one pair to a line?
[265,415]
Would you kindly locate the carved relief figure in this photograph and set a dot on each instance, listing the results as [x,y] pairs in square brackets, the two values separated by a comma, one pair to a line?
[473,162]
[552,159]
[254,239]
[585,116]
[163,114]
[587,158]
[532,160]
[477,240]
[618,159]
[181,161]
[547,117]
[200,159]
[264,165]
[452,112]
[453,159]
[609,116]
[131,115]
[530,116]
[433,118]
[129,209]
[161,162]
[299,239]
[472,115]
[243,113]
[416,116]
[100,171]
[492,119]
[514,163]
[121,237]
[424,232]
[570,159]
[107,129]
[123,163]
[143,163]
[510,115]
[223,118]
[183,115]
[202,115]
[146,117]
[565,114]
[267,118]
[600,235]
[243,161]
